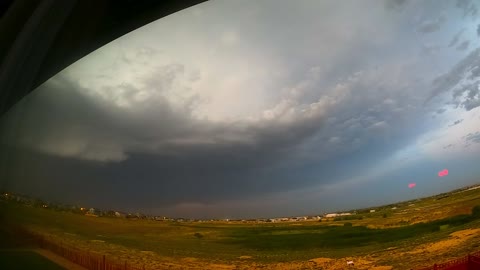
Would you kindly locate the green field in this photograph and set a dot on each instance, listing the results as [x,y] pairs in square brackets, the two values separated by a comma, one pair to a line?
[373,236]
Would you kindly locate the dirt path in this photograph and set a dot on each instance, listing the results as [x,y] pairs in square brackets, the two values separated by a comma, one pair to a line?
[59,260]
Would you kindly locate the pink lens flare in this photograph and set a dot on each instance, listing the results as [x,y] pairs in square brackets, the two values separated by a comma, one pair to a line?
[412,185]
[443,173]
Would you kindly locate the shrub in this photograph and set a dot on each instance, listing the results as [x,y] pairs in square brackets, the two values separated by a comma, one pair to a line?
[444,227]
[476,211]
[198,235]
[385,215]
[347,224]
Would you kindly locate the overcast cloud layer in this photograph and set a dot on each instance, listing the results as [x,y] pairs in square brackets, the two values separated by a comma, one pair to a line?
[243,109]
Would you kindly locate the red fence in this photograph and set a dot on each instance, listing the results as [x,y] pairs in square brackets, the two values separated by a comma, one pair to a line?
[91,261]
[88,260]
[469,262]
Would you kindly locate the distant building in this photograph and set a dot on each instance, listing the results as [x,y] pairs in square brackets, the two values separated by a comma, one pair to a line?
[120,214]
[92,212]
[372,211]
[331,215]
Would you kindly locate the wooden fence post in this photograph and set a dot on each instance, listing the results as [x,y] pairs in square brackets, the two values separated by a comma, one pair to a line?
[104,265]
[125,264]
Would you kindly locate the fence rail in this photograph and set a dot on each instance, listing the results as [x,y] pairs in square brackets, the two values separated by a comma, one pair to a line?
[89,260]
[468,262]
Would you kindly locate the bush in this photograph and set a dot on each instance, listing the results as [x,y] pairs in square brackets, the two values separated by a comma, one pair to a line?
[385,215]
[198,235]
[347,224]
[476,211]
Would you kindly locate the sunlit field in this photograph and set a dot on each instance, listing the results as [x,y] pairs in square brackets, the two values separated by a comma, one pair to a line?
[412,234]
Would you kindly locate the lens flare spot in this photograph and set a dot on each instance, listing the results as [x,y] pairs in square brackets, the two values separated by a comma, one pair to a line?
[412,185]
[443,173]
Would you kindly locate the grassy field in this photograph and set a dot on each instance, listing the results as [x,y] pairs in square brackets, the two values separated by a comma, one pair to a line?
[441,224]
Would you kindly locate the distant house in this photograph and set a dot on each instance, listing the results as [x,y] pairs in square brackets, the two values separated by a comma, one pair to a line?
[92,212]
[372,211]
[120,214]
[331,215]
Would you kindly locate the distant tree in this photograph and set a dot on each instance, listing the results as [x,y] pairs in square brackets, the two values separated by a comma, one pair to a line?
[476,211]
[385,215]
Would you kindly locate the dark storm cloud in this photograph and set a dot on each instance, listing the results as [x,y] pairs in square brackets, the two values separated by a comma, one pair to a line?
[463,46]
[457,122]
[431,48]
[397,5]
[430,26]
[473,137]
[448,146]
[471,104]
[456,38]
[440,111]
[170,157]
[462,81]
[191,160]
[145,181]
[468,7]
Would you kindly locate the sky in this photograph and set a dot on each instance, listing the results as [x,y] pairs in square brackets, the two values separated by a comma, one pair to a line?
[243,109]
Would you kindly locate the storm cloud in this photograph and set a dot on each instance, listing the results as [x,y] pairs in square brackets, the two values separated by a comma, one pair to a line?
[462,82]
[456,38]
[475,138]
[430,26]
